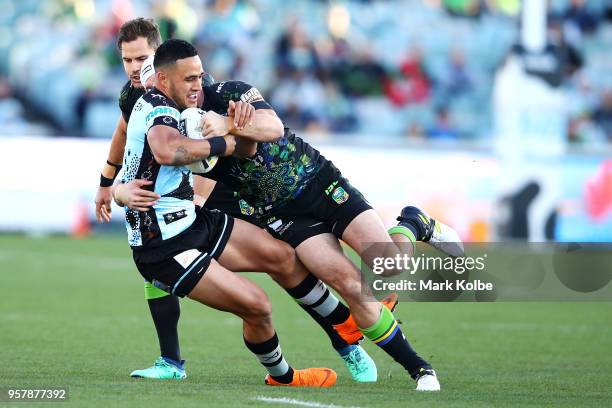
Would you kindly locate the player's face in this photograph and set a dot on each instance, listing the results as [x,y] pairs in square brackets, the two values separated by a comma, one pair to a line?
[133,54]
[185,82]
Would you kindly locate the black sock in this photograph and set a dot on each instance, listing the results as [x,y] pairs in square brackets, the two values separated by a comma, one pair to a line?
[400,349]
[166,312]
[270,355]
[387,335]
[336,341]
[314,295]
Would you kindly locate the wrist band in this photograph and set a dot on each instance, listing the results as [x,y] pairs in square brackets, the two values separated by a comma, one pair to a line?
[105,181]
[217,145]
[116,166]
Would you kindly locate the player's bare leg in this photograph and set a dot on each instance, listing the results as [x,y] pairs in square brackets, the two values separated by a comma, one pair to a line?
[367,227]
[252,249]
[223,290]
[323,256]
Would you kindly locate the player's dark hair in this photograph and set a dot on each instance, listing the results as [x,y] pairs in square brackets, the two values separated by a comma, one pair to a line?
[139,27]
[171,51]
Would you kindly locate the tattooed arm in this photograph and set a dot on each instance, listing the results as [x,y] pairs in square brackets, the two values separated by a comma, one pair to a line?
[170,148]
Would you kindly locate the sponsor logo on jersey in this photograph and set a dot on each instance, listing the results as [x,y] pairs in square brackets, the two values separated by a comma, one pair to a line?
[175,216]
[162,111]
[340,195]
[252,95]
[284,228]
[276,225]
[331,187]
[220,86]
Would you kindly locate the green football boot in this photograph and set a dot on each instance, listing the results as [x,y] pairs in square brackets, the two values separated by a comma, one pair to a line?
[162,369]
[360,365]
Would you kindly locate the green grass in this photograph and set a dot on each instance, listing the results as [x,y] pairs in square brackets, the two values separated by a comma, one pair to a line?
[72,313]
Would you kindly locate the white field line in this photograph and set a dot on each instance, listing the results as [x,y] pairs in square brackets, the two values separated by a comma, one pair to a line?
[292,401]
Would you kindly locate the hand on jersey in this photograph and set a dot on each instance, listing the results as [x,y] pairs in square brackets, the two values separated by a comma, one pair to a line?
[135,196]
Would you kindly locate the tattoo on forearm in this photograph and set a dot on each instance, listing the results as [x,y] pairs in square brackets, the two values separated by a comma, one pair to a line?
[182,157]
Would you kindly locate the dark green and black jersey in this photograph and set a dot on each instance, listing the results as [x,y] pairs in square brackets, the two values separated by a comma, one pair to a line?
[127,99]
[217,96]
[278,171]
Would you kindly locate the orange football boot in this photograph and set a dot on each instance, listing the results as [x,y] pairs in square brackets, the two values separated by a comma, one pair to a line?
[308,377]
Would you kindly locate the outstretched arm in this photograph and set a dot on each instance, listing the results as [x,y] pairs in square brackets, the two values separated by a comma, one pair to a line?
[109,171]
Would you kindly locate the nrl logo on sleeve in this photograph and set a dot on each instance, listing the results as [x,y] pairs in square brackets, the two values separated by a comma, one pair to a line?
[340,195]
[252,95]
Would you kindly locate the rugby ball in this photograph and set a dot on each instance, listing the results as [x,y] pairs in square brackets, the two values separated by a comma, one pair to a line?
[190,124]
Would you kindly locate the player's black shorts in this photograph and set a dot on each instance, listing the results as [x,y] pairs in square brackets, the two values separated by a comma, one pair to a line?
[327,205]
[226,200]
[179,265]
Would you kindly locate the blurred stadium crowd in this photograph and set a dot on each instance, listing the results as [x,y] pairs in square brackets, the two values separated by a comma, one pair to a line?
[422,69]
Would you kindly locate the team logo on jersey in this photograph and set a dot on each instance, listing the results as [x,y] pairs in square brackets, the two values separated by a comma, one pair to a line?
[245,208]
[252,95]
[340,195]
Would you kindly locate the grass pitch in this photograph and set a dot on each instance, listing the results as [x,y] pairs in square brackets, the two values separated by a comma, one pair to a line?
[72,313]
